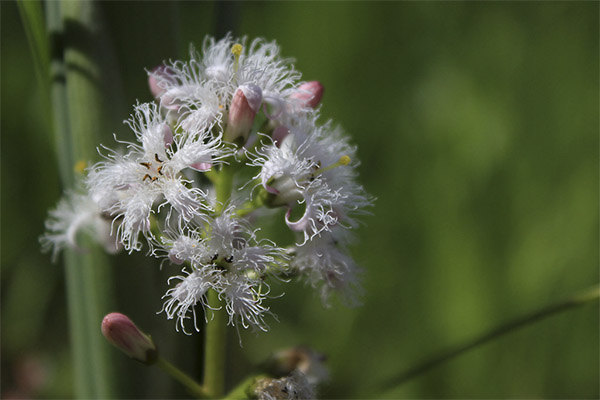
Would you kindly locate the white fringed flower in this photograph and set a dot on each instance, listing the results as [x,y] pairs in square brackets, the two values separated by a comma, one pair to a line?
[77,213]
[128,186]
[243,299]
[312,168]
[225,250]
[327,266]
[188,293]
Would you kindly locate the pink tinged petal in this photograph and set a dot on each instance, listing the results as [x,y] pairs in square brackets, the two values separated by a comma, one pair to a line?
[309,94]
[270,189]
[279,134]
[253,96]
[201,166]
[244,106]
[302,225]
[168,135]
[174,259]
[170,102]
[122,333]
[158,74]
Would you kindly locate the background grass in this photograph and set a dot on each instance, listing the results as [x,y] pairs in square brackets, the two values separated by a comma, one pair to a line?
[477,127]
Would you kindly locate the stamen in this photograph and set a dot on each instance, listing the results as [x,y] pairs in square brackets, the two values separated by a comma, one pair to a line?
[236,50]
[146,177]
[159,170]
[343,161]
[146,164]
[156,158]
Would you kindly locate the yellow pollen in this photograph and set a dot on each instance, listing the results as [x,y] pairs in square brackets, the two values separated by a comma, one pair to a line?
[80,166]
[236,49]
[344,160]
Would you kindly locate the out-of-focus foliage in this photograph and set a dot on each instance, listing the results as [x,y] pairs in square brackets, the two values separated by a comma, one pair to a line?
[477,127]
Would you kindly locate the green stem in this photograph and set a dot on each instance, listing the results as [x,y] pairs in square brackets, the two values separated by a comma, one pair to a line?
[77,121]
[193,387]
[245,390]
[216,332]
[579,299]
[215,349]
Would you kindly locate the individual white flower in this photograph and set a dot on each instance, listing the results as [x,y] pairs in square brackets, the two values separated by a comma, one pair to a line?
[227,246]
[76,213]
[312,167]
[189,246]
[243,299]
[326,265]
[231,239]
[127,186]
[188,293]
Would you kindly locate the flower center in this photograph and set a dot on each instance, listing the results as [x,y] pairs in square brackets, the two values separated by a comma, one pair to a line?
[154,169]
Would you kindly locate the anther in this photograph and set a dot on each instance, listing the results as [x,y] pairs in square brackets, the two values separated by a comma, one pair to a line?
[159,170]
[146,164]
[146,177]
[157,159]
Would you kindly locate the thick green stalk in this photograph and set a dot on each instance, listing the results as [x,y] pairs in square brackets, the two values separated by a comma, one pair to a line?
[216,332]
[77,118]
[215,349]
[584,297]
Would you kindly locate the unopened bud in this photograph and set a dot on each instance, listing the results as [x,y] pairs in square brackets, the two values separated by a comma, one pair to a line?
[309,94]
[122,333]
[244,106]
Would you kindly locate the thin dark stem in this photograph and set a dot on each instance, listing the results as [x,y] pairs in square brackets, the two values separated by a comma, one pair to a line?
[577,300]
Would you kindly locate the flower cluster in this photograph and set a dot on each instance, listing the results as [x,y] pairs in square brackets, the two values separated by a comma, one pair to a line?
[232,132]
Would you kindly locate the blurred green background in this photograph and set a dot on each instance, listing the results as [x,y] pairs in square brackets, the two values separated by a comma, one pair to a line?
[477,128]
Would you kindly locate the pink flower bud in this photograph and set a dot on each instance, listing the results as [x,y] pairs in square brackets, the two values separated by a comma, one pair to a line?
[158,74]
[122,333]
[309,94]
[244,106]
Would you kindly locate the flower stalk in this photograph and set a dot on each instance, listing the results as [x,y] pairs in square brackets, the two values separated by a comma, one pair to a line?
[193,387]
[579,299]
[216,334]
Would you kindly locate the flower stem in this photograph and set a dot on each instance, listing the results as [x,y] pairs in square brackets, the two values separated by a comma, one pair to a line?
[216,333]
[215,349]
[578,299]
[194,387]
[245,390]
